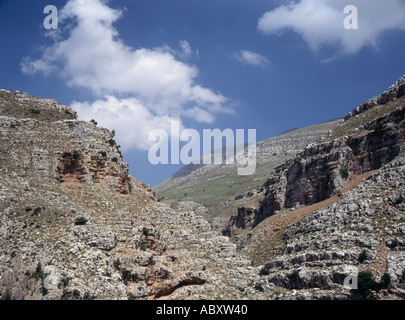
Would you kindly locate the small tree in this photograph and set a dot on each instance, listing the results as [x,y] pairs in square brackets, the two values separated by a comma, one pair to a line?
[145,231]
[365,282]
[363,256]
[6,295]
[112,142]
[354,144]
[385,280]
[117,263]
[344,172]
[80,221]
[39,273]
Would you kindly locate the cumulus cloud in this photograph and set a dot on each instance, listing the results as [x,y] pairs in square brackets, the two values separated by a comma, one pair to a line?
[251,58]
[131,120]
[92,56]
[320,22]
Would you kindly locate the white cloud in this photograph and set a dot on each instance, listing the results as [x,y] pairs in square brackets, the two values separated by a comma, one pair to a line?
[251,58]
[92,56]
[320,22]
[187,51]
[131,120]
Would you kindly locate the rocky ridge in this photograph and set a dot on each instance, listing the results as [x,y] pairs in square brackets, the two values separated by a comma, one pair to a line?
[75,225]
[322,169]
[328,245]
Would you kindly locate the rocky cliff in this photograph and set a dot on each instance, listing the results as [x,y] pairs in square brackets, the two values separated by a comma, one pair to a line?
[334,210]
[323,168]
[222,191]
[75,225]
[361,232]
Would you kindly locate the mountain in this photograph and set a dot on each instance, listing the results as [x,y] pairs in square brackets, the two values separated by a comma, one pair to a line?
[335,208]
[222,190]
[76,225]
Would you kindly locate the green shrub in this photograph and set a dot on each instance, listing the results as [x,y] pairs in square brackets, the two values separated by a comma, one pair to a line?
[354,144]
[145,231]
[385,280]
[36,211]
[66,155]
[117,263]
[93,121]
[363,256]
[241,210]
[44,290]
[6,295]
[365,282]
[344,172]
[64,281]
[39,273]
[76,154]
[393,244]
[103,154]
[143,247]
[88,296]
[378,130]
[76,294]
[112,142]
[80,221]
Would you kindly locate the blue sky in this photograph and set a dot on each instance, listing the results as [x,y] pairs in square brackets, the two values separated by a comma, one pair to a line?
[265,65]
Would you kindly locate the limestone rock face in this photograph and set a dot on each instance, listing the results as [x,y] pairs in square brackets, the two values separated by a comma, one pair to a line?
[64,150]
[326,247]
[321,169]
[394,92]
[75,225]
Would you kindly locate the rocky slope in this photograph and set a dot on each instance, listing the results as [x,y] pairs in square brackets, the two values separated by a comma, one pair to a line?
[322,169]
[333,210]
[222,191]
[363,231]
[75,225]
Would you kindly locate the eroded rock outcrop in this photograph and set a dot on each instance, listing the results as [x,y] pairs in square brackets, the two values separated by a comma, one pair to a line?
[321,170]
[75,225]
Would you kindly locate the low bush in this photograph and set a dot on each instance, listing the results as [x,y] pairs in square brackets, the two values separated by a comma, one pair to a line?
[365,282]
[363,256]
[353,144]
[344,172]
[81,221]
